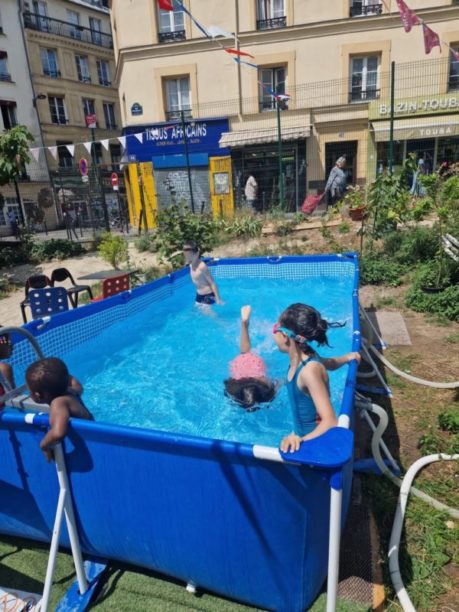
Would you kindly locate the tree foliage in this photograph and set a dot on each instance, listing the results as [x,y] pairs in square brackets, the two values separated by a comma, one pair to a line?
[14,152]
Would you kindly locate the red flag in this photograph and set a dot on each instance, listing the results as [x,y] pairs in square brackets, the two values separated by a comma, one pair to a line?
[236,52]
[165,5]
[408,17]
[431,39]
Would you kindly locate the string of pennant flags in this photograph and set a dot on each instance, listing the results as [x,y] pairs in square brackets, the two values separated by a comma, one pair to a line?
[408,17]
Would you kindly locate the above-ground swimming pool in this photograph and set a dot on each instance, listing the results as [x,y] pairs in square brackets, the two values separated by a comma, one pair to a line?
[168,477]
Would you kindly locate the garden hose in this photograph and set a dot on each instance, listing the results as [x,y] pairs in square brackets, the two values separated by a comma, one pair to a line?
[414,379]
[397,527]
[369,406]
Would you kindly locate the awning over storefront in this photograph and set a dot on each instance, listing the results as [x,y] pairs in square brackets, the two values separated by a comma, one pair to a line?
[413,128]
[241,138]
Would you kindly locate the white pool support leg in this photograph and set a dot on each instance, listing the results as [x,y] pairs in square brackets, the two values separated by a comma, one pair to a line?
[370,360]
[373,328]
[336,501]
[64,507]
[191,588]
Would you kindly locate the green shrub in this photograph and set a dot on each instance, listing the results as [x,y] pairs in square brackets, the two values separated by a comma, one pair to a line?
[113,249]
[55,248]
[375,269]
[145,242]
[444,303]
[177,225]
[10,257]
[449,420]
[244,226]
[411,246]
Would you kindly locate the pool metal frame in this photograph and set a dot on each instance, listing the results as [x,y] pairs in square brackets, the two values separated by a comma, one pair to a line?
[314,454]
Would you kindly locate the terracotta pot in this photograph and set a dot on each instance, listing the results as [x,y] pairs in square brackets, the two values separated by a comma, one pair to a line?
[357,214]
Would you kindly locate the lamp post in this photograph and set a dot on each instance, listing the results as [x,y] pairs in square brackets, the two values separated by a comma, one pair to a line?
[188,169]
[279,152]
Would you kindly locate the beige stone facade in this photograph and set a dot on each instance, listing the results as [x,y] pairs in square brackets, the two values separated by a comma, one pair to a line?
[333,58]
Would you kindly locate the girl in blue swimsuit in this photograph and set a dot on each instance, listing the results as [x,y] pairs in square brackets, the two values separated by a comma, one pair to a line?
[307,378]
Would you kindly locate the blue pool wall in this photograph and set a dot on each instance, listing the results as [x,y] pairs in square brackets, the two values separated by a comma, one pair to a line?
[197,509]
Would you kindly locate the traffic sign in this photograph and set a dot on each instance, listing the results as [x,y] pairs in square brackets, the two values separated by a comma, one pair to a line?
[114,180]
[83,165]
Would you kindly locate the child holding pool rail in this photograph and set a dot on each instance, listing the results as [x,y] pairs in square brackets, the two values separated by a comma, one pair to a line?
[307,378]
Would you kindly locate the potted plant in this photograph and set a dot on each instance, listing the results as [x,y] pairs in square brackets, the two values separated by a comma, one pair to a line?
[355,200]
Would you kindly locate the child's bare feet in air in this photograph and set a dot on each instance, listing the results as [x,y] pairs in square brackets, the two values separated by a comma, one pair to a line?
[245,313]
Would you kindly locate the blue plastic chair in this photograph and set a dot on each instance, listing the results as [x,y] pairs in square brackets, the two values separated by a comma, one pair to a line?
[48,301]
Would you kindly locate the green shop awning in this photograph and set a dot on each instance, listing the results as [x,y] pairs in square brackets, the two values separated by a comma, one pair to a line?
[412,128]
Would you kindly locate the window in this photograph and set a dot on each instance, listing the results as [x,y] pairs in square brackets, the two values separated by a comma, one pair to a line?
[97,152]
[178,97]
[82,68]
[74,19]
[49,63]
[95,25]
[103,72]
[115,155]
[361,8]
[40,9]
[109,114]
[8,110]
[11,205]
[273,80]
[88,107]
[171,24]
[65,160]
[57,110]
[270,14]
[364,83]
[453,70]
[4,72]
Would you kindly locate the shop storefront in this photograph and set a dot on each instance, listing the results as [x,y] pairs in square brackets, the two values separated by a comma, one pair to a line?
[170,158]
[427,127]
[255,152]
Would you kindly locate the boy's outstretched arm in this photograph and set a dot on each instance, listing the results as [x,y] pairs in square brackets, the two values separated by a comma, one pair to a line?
[333,363]
[59,415]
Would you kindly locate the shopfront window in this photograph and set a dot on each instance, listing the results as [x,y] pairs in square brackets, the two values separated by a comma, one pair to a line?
[448,150]
[272,81]
[364,83]
[382,155]
[453,70]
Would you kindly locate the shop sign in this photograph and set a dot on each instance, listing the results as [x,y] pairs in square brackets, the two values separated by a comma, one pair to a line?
[164,139]
[447,103]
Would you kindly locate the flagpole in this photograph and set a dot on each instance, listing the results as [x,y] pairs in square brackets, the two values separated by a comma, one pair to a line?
[391,129]
[279,148]
[187,157]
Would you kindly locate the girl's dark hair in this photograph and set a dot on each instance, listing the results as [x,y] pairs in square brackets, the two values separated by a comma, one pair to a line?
[305,321]
[249,392]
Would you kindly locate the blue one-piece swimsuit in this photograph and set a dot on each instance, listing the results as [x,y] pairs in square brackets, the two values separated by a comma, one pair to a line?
[304,412]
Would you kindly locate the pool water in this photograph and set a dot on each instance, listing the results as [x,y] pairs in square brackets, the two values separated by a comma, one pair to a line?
[164,367]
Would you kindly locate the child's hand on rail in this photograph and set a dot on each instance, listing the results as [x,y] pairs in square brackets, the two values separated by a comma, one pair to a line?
[290,443]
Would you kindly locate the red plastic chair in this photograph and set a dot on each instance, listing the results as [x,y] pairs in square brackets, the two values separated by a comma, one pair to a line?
[114,285]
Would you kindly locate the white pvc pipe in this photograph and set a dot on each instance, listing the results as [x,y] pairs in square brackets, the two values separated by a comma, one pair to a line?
[336,500]
[53,551]
[414,379]
[382,444]
[370,360]
[394,543]
[70,519]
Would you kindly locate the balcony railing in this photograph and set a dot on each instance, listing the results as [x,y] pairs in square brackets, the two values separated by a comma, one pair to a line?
[365,10]
[84,79]
[271,24]
[364,96]
[177,114]
[105,83]
[4,76]
[166,37]
[34,21]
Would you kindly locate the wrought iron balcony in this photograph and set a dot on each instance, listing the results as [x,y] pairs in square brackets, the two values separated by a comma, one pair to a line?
[177,114]
[84,79]
[105,83]
[4,76]
[271,24]
[34,21]
[363,96]
[166,37]
[364,10]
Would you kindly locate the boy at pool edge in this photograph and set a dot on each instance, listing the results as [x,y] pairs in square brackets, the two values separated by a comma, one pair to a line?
[6,371]
[206,288]
[307,378]
[49,382]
